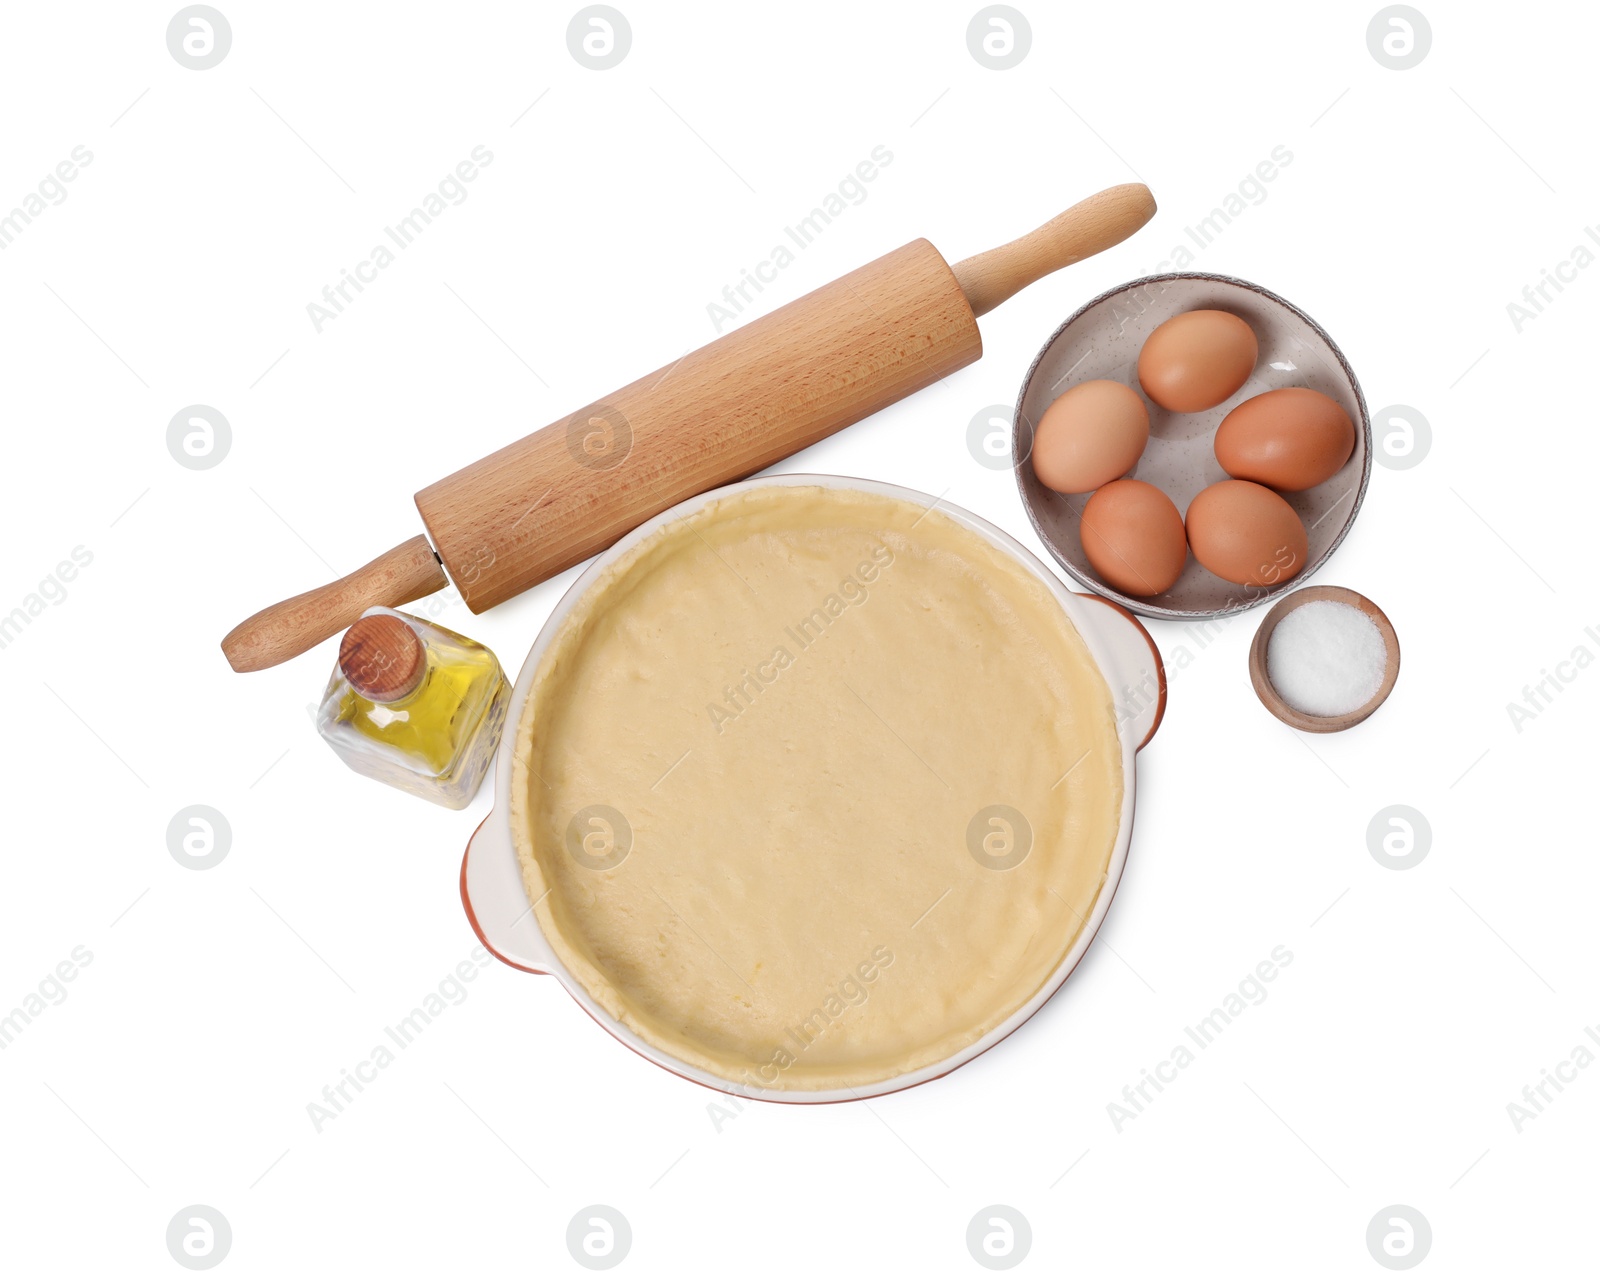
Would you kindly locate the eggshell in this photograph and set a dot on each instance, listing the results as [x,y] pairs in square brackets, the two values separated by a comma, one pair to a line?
[1290,439]
[1246,533]
[1197,359]
[1133,537]
[1093,433]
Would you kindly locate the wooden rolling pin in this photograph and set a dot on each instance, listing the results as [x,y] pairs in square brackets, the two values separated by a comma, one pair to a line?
[750,398]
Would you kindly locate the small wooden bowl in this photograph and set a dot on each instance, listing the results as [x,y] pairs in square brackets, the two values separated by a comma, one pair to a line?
[1277,705]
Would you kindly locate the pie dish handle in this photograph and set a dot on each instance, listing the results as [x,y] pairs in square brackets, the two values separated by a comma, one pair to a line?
[496,903]
[1134,671]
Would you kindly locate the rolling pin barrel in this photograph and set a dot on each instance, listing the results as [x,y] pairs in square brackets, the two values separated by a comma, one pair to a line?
[754,396]
[761,393]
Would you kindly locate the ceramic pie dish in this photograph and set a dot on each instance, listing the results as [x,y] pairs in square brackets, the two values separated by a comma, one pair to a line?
[1102,340]
[814,788]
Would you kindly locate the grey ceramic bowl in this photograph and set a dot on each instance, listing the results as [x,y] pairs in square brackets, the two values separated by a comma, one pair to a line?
[1102,341]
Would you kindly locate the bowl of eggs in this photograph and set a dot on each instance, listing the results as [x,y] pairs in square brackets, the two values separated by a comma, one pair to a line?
[1191,445]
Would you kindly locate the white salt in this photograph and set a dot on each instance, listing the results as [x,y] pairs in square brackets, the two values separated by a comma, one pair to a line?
[1326,658]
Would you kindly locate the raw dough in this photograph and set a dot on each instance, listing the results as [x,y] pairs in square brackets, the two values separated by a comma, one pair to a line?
[802,703]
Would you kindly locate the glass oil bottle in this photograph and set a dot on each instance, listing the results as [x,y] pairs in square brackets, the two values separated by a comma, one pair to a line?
[415,705]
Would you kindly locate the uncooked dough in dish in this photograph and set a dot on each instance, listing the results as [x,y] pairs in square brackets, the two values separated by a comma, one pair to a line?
[815,787]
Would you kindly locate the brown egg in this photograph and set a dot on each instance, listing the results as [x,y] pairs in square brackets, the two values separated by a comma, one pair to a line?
[1133,537]
[1093,433]
[1290,439]
[1246,533]
[1197,359]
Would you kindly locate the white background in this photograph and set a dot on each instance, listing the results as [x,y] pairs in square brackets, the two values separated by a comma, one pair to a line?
[219,1003]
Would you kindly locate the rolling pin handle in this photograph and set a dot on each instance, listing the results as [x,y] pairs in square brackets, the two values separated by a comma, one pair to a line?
[276,633]
[1088,227]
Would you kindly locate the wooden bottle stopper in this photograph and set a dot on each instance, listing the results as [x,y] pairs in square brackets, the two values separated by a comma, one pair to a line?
[382,658]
